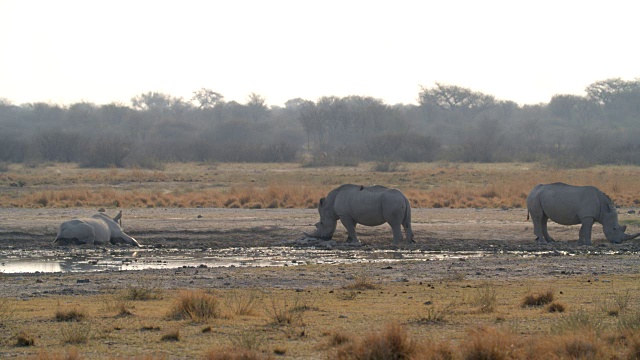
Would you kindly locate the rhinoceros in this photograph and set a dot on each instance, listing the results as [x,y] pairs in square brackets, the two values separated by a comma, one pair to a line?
[370,206]
[99,229]
[572,205]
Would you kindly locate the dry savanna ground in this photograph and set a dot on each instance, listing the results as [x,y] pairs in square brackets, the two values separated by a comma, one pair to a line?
[362,317]
[501,306]
[434,185]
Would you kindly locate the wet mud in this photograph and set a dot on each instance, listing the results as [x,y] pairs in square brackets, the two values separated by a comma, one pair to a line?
[266,248]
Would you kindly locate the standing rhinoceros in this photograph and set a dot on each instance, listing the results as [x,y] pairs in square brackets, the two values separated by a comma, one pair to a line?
[370,206]
[572,205]
[99,229]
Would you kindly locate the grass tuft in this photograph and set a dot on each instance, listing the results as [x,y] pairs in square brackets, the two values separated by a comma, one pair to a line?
[67,315]
[235,354]
[556,307]
[536,300]
[171,335]
[76,334]
[361,281]
[195,305]
[486,298]
[391,343]
[24,339]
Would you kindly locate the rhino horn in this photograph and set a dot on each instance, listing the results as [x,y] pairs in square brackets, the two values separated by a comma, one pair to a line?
[630,237]
[309,235]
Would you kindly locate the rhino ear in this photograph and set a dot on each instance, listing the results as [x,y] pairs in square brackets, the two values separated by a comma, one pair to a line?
[321,201]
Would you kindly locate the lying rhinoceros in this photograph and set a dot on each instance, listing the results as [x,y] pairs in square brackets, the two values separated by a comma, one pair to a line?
[99,229]
[370,206]
[572,205]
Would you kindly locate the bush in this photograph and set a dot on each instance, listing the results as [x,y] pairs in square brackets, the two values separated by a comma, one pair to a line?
[195,305]
[70,315]
[556,307]
[24,339]
[391,343]
[104,152]
[541,299]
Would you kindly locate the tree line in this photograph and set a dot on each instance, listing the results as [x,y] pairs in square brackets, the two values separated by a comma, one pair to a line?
[449,123]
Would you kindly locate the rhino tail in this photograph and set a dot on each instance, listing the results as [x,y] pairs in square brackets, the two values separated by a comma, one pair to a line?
[527,215]
[407,213]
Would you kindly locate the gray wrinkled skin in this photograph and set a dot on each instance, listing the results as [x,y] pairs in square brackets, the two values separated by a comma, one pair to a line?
[572,205]
[370,206]
[99,229]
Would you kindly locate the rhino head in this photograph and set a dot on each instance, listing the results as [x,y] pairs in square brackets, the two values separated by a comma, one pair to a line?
[328,221]
[613,231]
[118,236]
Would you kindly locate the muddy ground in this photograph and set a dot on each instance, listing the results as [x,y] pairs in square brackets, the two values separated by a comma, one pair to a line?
[503,238]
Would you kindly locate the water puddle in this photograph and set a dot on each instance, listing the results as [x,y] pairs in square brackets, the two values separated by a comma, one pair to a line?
[91,260]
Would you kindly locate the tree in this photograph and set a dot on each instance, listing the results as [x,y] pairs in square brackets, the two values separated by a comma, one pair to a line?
[451,97]
[152,101]
[573,108]
[207,98]
[605,91]
[257,107]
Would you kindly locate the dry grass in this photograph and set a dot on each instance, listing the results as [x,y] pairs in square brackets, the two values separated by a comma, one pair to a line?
[24,339]
[539,299]
[293,186]
[394,342]
[195,305]
[70,314]
[347,329]
[361,281]
[235,354]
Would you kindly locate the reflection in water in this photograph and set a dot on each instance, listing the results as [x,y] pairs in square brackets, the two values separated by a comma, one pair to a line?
[29,266]
[89,260]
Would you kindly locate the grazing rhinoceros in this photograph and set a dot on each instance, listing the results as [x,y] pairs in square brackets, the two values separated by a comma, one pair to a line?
[370,206]
[99,229]
[572,205]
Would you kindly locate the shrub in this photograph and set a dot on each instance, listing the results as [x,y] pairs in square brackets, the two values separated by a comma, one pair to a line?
[76,333]
[281,313]
[242,305]
[171,335]
[70,315]
[141,293]
[247,339]
[195,305]
[24,339]
[486,298]
[391,343]
[361,281]
[235,354]
[556,307]
[339,338]
[541,299]
[489,343]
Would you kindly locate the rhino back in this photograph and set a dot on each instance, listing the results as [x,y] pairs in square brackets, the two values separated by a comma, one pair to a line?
[365,207]
[567,204]
[101,230]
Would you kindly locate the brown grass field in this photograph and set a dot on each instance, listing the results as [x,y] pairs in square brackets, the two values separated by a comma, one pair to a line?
[448,318]
[592,314]
[437,185]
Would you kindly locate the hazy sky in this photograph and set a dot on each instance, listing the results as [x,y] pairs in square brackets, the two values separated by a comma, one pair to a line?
[66,51]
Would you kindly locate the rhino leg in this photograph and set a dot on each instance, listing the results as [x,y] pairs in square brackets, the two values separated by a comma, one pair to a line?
[543,227]
[397,233]
[585,231]
[350,225]
[537,228]
[409,232]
